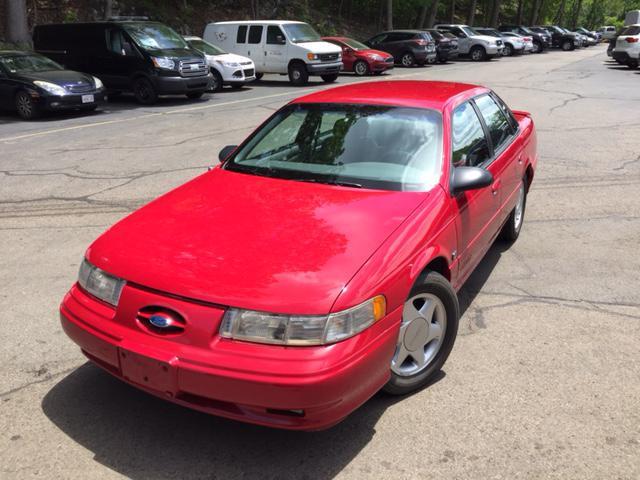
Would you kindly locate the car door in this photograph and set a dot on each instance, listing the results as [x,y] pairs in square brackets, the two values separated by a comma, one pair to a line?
[275,50]
[118,61]
[464,42]
[348,56]
[470,146]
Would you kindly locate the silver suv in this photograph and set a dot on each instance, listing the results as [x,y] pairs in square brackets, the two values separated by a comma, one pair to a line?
[477,47]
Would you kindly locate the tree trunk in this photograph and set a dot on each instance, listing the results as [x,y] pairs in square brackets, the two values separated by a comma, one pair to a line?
[471,16]
[577,10]
[560,15]
[535,11]
[452,12]
[495,13]
[17,27]
[389,14]
[422,17]
[433,13]
[108,9]
[520,13]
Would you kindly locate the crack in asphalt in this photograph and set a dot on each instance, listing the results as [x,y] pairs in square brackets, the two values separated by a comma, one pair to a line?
[45,378]
[627,163]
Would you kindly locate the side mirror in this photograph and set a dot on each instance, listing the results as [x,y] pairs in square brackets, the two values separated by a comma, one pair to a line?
[226,151]
[280,40]
[348,50]
[470,178]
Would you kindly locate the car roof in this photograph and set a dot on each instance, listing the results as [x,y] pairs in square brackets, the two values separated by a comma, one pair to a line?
[264,22]
[403,93]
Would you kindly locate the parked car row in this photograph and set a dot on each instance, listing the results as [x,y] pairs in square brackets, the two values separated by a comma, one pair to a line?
[75,65]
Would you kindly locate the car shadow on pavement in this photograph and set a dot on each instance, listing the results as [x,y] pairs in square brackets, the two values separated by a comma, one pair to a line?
[141,436]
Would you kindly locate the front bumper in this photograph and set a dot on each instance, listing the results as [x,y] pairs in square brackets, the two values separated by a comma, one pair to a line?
[324,68]
[300,388]
[70,102]
[381,65]
[174,85]
[494,50]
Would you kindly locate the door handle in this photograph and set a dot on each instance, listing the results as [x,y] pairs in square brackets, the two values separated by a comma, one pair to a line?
[519,160]
[495,187]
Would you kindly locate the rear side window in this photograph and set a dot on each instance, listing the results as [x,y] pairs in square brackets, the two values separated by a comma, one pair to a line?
[255,34]
[499,128]
[469,143]
[241,37]
[378,38]
[635,30]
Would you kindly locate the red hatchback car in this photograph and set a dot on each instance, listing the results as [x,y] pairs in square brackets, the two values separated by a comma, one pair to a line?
[360,59]
[318,263]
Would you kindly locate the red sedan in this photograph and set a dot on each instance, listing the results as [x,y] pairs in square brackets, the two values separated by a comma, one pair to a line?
[318,263]
[361,59]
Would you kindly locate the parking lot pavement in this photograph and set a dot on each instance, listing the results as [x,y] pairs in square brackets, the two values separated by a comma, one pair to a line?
[544,380]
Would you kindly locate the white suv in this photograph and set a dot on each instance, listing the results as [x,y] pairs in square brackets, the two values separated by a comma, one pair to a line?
[226,68]
[477,47]
[276,46]
[627,49]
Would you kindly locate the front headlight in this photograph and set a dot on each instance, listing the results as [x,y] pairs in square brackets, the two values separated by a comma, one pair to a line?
[163,62]
[229,64]
[261,327]
[376,57]
[99,283]
[312,56]
[51,88]
[98,83]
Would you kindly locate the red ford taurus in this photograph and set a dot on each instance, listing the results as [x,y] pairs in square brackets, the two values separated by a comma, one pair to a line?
[318,263]
[360,59]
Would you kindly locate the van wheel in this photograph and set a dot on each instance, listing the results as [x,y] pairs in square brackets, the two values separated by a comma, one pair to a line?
[478,54]
[329,78]
[216,81]
[194,95]
[144,92]
[25,106]
[298,74]
[426,336]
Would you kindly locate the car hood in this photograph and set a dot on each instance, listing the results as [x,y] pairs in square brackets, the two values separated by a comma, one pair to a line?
[486,38]
[253,242]
[320,47]
[59,77]
[228,57]
[370,51]
[186,54]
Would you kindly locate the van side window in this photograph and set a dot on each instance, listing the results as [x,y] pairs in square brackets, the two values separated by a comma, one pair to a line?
[242,34]
[273,32]
[255,34]
[119,44]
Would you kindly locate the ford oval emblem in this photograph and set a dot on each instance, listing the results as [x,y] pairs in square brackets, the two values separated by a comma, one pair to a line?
[160,321]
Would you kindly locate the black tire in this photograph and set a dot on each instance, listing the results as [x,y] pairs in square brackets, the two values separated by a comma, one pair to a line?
[632,64]
[442,59]
[567,45]
[144,91]
[435,284]
[508,50]
[478,54]
[511,229]
[25,106]
[329,78]
[407,59]
[216,81]
[298,74]
[194,95]
[378,73]
[361,68]
[537,47]
[90,108]
[259,76]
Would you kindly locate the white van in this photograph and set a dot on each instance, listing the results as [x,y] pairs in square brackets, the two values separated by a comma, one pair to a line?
[277,46]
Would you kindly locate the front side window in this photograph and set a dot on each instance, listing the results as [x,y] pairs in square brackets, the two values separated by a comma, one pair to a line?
[469,31]
[28,63]
[275,36]
[499,128]
[154,36]
[469,143]
[301,33]
[255,34]
[381,147]
[378,39]
[119,44]
[354,44]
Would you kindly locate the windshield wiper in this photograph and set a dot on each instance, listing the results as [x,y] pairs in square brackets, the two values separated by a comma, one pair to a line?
[328,182]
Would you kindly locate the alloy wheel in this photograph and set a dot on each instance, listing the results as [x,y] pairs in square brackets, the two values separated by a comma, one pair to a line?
[407,60]
[24,105]
[518,212]
[360,68]
[422,332]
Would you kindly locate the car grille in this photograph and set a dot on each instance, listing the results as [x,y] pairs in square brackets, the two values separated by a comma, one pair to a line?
[328,57]
[249,72]
[389,60]
[80,88]
[193,68]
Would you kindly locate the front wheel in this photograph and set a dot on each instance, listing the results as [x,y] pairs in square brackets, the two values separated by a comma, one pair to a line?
[216,80]
[361,68]
[408,60]
[511,230]
[508,50]
[259,75]
[144,92]
[632,64]
[567,45]
[25,106]
[329,78]
[537,47]
[478,54]
[427,333]
[298,74]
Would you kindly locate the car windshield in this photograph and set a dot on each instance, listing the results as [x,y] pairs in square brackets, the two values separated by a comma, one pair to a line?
[488,31]
[155,36]
[526,30]
[380,147]
[356,45]
[206,47]
[28,63]
[301,32]
[469,31]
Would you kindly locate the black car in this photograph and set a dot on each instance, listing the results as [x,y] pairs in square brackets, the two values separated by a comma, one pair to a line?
[147,58]
[31,84]
[561,38]
[446,45]
[541,39]
[408,47]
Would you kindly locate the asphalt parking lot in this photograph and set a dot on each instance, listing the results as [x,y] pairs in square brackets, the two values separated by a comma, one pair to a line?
[544,380]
